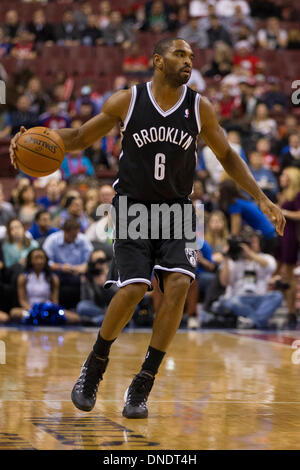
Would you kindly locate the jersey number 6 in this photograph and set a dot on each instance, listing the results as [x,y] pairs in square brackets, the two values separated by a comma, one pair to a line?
[159,167]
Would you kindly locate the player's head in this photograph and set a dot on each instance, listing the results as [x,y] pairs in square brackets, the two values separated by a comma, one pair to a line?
[172,58]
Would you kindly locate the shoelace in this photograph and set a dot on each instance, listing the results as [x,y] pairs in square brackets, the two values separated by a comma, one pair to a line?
[139,391]
[90,378]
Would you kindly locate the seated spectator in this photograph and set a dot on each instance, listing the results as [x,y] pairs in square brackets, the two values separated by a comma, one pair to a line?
[54,118]
[135,61]
[22,116]
[198,8]
[68,251]
[273,97]
[272,37]
[245,33]
[91,200]
[182,16]
[5,45]
[51,201]
[21,183]
[81,15]
[105,11]
[24,46]
[196,81]
[234,140]
[270,161]
[110,149]
[38,98]
[76,164]
[245,59]
[262,123]
[27,207]
[100,231]
[74,210]
[116,33]
[293,39]
[6,209]
[38,285]
[67,32]
[289,200]
[41,227]
[41,30]
[265,178]
[229,105]
[194,34]
[5,125]
[88,97]
[290,155]
[246,280]
[91,34]
[17,245]
[216,235]
[289,127]
[233,80]
[227,8]
[241,25]
[120,83]
[249,98]
[158,20]
[221,64]
[12,25]
[242,211]
[217,32]
[94,298]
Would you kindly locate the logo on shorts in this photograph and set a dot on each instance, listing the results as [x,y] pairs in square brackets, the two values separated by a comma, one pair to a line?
[191,256]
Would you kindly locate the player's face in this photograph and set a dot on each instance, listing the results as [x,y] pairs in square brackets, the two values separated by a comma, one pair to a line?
[178,62]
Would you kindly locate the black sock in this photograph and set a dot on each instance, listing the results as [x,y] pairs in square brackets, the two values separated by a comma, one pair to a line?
[102,347]
[153,359]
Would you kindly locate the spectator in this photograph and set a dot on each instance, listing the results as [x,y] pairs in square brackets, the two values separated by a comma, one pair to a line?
[88,97]
[227,8]
[76,164]
[74,210]
[289,127]
[216,235]
[196,81]
[24,46]
[158,19]
[199,8]
[217,32]
[81,15]
[270,161]
[5,125]
[116,33]
[194,34]
[293,39]
[41,227]
[249,99]
[221,64]
[264,177]
[237,22]
[38,98]
[289,200]
[21,183]
[41,30]
[105,11]
[244,33]
[12,25]
[91,35]
[38,285]
[120,83]
[234,140]
[5,45]
[182,16]
[94,298]
[272,37]
[17,245]
[6,209]
[235,78]
[22,116]
[273,97]
[246,280]
[51,201]
[68,251]
[229,105]
[135,61]
[91,200]
[242,211]
[245,59]
[290,155]
[27,207]
[54,118]
[67,32]
[262,123]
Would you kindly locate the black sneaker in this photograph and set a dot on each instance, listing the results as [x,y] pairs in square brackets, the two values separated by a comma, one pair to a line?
[84,392]
[137,394]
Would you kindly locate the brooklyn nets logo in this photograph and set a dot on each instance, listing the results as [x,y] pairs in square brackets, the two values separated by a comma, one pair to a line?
[191,256]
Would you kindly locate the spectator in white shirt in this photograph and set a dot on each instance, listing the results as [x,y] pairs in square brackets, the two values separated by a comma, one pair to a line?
[226,8]
[272,37]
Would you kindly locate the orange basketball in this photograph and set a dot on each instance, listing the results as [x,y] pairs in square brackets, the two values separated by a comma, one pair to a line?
[40,151]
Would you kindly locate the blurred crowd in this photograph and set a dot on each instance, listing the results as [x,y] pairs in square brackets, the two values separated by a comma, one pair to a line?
[51,236]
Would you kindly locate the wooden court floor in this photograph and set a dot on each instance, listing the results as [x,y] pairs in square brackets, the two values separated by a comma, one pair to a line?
[215,390]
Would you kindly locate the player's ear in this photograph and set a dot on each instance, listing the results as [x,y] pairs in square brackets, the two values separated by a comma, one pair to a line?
[158,61]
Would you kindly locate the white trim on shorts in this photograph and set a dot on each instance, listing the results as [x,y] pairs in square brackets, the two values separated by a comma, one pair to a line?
[175,270]
[128,281]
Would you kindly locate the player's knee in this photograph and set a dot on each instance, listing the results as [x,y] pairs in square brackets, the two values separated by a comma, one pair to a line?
[134,292]
[178,284]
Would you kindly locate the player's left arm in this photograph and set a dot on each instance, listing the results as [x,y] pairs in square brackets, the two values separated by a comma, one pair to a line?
[233,164]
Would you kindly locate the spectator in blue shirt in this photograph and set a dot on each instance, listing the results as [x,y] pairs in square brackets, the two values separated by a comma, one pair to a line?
[242,211]
[265,178]
[74,209]
[76,164]
[41,228]
[68,251]
[51,202]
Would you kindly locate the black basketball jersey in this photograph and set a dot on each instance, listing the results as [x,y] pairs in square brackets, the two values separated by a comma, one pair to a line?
[158,157]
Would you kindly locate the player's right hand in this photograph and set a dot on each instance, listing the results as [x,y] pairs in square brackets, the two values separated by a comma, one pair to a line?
[13,146]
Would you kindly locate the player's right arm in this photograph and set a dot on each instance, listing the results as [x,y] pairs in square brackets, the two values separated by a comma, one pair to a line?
[113,111]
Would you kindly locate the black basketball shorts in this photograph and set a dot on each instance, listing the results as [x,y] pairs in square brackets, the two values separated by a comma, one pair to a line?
[138,260]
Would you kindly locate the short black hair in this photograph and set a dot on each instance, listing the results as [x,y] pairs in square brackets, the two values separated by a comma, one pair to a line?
[39,213]
[71,224]
[163,45]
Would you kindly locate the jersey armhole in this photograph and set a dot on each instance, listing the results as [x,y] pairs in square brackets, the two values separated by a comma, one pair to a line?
[130,109]
[197,112]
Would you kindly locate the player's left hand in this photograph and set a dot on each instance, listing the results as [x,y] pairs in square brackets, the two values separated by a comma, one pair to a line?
[274,213]
[13,146]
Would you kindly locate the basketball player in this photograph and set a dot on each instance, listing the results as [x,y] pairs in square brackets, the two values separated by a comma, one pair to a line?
[160,121]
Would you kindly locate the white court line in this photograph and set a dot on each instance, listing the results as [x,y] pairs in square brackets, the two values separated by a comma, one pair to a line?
[172,401]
